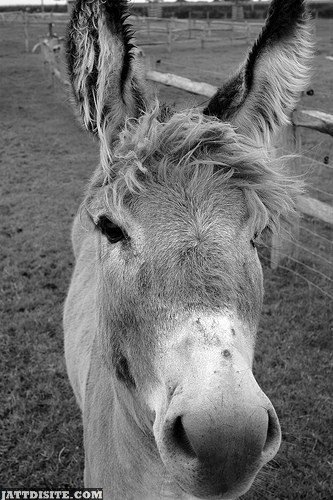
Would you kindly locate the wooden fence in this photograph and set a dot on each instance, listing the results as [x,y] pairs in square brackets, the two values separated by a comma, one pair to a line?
[151,30]
[29,20]
[157,31]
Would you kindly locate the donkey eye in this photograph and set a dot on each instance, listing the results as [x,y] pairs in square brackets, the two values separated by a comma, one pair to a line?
[254,240]
[109,229]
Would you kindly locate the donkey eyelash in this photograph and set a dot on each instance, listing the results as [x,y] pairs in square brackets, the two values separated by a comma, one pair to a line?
[254,241]
[110,230]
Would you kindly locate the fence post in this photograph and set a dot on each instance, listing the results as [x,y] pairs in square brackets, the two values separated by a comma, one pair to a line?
[169,36]
[189,24]
[248,34]
[148,63]
[26,30]
[282,244]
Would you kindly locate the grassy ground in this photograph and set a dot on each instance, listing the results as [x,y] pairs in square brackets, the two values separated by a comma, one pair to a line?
[45,162]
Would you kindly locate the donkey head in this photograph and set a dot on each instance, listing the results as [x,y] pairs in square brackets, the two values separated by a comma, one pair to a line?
[176,206]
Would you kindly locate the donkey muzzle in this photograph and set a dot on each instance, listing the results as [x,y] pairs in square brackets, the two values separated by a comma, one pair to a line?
[217,433]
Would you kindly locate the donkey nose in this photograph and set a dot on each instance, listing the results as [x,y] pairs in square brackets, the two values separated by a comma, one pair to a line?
[218,445]
[235,440]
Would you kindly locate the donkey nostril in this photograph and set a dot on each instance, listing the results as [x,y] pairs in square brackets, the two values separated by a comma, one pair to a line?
[181,438]
[273,432]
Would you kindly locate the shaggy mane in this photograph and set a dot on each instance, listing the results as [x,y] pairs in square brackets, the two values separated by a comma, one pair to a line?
[189,149]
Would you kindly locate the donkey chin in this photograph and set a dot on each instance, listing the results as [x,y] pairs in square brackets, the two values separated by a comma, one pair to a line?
[216,428]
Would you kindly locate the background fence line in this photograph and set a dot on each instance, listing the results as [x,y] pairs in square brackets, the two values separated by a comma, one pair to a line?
[182,30]
[174,30]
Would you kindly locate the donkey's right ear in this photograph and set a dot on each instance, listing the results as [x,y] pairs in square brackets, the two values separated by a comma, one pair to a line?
[262,95]
[104,66]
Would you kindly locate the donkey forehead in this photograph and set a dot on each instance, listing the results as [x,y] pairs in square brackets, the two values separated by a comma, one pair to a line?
[190,214]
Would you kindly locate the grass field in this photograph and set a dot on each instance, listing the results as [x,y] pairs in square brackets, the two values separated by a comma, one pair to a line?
[45,162]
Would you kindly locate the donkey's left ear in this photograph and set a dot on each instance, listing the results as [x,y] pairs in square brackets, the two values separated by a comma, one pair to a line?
[104,67]
[262,95]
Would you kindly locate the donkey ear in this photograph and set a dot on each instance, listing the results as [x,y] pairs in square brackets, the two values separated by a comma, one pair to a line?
[262,95]
[105,72]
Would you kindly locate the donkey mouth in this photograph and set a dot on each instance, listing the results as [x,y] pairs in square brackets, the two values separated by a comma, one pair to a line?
[208,471]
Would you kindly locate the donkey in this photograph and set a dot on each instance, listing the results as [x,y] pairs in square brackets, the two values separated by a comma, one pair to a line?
[163,307]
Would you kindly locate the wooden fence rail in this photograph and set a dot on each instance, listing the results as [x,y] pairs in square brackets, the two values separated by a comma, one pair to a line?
[205,30]
[315,120]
